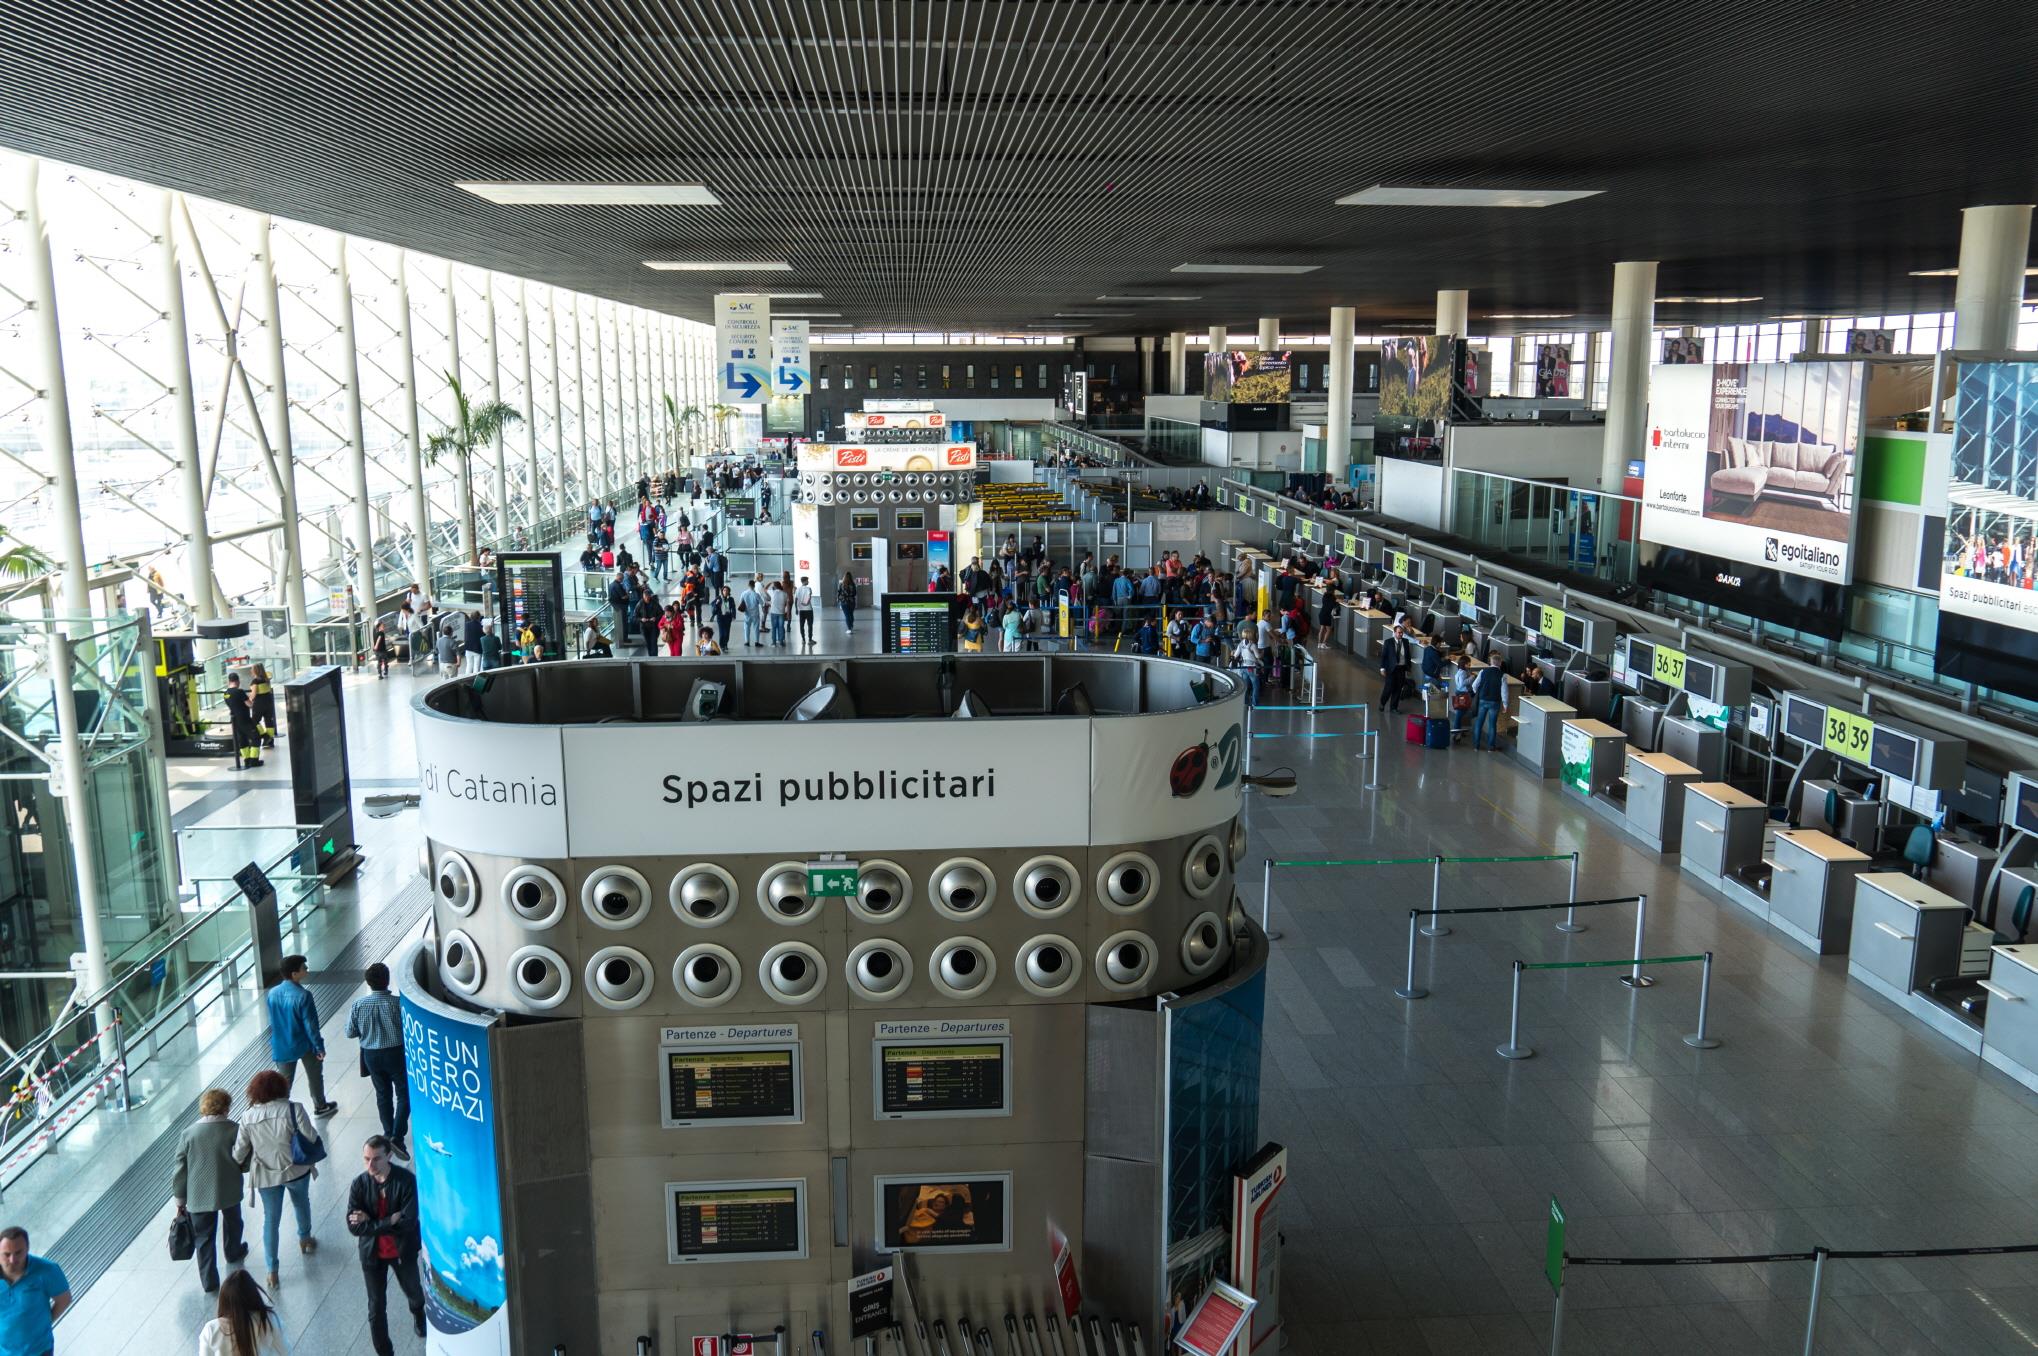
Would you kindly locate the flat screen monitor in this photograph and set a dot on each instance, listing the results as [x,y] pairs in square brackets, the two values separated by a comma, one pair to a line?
[931,1078]
[1894,753]
[1700,676]
[731,1085]
[2024,812]
[758,1221]
[1805,721]
[1574,632]
[958,1212]
[319,780]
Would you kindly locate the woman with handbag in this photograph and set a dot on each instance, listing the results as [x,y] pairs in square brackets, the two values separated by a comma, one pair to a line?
[207,1187]
[1461,697]
[279,1146]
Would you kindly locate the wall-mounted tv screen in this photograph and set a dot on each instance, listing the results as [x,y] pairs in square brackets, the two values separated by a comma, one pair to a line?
[966,1212]
[762,1221]
[1248,376]
[1988,605]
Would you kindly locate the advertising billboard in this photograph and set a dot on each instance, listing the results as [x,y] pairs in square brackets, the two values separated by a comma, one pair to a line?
[1871,341]
[963,1214]
[1755,464]
[1988,608]
[1248,376]
[1553,371]
[1679,351]
[452,1121]
[1416,376]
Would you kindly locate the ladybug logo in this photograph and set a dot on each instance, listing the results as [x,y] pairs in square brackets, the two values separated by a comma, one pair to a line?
[1191,766]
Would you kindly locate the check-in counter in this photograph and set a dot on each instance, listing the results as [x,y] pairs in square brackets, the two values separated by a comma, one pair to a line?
[1655,800]
[1591,755]
[1961,867]
[2010,1025]
[1811,888]
[1904,934]
[1722,831]
[1540,740]
[1368,627]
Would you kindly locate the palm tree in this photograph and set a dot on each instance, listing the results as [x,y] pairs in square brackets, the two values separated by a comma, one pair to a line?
[20,561]
[682,422]
[722,414]
[476,426]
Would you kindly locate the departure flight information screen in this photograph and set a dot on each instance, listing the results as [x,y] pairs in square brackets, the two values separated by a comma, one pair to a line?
[737,1221]
[964,1079]
[735,1084]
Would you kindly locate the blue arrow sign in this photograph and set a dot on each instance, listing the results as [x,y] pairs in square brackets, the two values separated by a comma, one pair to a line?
[788,380]
[743,381]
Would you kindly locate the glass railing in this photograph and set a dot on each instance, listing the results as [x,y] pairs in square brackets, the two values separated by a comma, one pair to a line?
[1582,531]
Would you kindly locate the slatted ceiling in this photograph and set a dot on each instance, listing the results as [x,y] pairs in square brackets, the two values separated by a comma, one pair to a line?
[945,165]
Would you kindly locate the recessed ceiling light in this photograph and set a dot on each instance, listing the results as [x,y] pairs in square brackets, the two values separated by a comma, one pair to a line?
[1149,296]
[1089,315]
[1703,301]
[719,265]
[1531,315]
[592,195]
[1245,268]
[1954,273]
[807,315]
[1380,195]
[795,296]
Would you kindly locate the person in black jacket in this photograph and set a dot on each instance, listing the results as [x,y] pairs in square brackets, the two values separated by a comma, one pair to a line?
[1393,667]
[382,1212]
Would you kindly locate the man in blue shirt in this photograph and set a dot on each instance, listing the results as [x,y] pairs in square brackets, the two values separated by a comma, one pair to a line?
[35,1295]
[294,1036]
[376,1020]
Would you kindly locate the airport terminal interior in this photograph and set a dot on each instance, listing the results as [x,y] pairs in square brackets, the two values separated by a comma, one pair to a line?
[945,678]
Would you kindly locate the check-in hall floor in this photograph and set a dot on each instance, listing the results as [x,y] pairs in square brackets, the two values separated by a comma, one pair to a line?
[1423,1163]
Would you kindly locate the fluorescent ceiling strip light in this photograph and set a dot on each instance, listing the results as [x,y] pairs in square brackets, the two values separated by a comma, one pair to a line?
[1532,315]
[1088,315]
[808,315]
[1245,268]
[518,194]
[1133,296]
[1703,301]
[1954,273]
[1381,195]
[795,296]
[719,265]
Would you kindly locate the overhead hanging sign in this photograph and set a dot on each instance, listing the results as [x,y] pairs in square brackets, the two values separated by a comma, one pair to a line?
[790,374]
[742,346]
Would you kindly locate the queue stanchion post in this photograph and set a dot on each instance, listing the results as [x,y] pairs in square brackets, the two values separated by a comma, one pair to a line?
[1811,1317]
[1557,1325]
[1699,1040]
[120,1060]
[1267,902]
[1514,1049]
[1436,899]
[1408,987]
[1635,979]
[1571,923]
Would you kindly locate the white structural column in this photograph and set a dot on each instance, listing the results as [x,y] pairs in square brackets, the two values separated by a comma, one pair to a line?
[1994,243]
[1146,346]
[1454,313]
[1627,387]
[1270,333]
[558,406]
[534,497]
[280,442]
[660,379]
[80,811]
[601,409]
[1337,439]
[357,448]
[498,470]
[413,445]
[57,444]
[638,452]
[201,589]
[1178,362]
[588,491]
[1219,340]
[463,462]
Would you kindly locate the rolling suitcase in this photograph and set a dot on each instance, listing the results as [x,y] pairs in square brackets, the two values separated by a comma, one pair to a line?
[1439,736]
[1417,730]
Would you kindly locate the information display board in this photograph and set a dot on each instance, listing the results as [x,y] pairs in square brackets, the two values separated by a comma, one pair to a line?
[760,1221]
[727,1075]
[926,1079]
[1988,607]
[965,1212]
[919,623]
[530,590]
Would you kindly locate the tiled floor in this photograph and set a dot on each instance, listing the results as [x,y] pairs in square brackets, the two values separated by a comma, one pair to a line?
[1423,1163]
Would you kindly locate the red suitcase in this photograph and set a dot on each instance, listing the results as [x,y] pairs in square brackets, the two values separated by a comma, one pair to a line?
[1417,729]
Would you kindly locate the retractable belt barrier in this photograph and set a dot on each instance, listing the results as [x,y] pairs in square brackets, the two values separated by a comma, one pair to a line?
[1636,979]
[1560,1260]
[1368,737]
[1697,1040]
[1436,885]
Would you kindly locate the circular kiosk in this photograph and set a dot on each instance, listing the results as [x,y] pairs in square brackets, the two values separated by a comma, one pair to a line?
[749,976]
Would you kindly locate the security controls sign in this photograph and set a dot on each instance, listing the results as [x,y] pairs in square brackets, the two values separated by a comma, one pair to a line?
[1756,463]
[789,372]
[742,347]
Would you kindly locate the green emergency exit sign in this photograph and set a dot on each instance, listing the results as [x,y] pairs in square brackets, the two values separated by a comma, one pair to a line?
[831,880]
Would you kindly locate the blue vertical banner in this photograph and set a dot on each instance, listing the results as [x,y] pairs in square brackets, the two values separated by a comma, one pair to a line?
[453,1144]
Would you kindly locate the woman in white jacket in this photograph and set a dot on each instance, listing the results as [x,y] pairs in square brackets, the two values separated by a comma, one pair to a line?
[263,1148]
[247,1324]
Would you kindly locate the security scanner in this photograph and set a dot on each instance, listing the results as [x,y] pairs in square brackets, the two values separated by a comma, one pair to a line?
[789,1007]
[1653,806]
[1539,733]
[1592,754]
[1810,888]
[1722,834]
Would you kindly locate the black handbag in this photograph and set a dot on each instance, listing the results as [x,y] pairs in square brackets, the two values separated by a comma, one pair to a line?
[183,1237]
